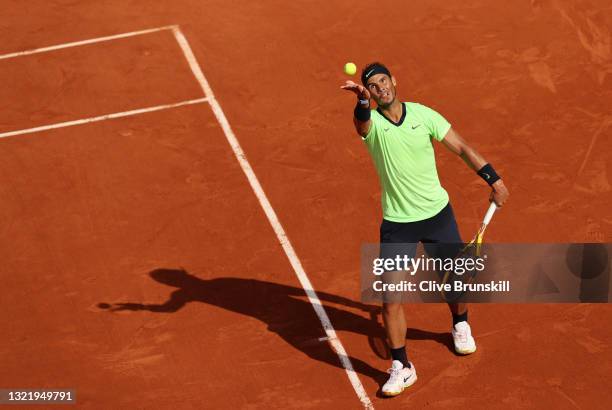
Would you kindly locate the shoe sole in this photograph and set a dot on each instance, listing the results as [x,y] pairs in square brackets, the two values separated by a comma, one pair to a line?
[393,394]
[465,352]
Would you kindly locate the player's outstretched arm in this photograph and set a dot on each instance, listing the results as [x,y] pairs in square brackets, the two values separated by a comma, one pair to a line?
[455,143]
[177,300]
[362,110]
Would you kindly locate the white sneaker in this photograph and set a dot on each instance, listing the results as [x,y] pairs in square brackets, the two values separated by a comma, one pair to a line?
[401,377]
[462,337]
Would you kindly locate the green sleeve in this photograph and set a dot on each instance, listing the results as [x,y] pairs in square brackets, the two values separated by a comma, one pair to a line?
[435,122]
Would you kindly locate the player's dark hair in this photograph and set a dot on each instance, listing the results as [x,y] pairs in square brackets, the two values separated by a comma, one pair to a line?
[373,69]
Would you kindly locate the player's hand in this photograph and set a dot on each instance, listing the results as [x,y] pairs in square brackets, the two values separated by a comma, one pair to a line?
[360,91]
[500,193]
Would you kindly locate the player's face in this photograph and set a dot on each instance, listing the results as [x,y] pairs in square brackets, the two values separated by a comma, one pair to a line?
[382,89]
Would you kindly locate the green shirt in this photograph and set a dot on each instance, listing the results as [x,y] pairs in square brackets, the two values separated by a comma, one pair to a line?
[404,158]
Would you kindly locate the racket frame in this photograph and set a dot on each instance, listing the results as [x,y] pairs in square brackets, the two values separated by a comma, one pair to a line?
[477,241]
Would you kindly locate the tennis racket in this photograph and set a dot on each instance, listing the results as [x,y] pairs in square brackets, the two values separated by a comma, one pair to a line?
[470,251]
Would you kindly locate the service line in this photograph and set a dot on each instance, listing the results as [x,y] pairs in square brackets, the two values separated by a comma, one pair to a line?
[101,118]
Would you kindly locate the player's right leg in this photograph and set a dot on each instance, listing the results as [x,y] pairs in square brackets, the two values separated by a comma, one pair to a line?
[402,372]
[397,240]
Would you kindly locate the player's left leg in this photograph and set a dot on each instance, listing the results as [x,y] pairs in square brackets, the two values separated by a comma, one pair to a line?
[443,240]
[462,333]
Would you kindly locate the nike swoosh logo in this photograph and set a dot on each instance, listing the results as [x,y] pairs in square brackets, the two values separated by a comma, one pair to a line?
[407,378]
[414,127]
[369,72]
[386,129]
[487,176]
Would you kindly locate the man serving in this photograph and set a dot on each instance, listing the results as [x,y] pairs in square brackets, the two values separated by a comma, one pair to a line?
[399,137]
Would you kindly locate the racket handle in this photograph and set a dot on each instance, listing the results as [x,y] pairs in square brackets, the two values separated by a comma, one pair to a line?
[489,214]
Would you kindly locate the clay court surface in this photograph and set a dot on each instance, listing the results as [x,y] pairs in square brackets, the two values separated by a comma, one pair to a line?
[153,210]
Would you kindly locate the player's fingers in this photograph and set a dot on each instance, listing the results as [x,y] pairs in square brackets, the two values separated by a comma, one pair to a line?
[350,87]
[492,198]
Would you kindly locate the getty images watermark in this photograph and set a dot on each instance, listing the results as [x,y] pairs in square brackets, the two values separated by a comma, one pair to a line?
[451,273]
[500,273]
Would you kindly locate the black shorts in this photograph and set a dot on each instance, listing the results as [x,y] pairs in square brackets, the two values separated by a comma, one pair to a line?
[438,234]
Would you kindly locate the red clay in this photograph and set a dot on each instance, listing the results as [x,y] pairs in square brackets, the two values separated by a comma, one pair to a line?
[90,214]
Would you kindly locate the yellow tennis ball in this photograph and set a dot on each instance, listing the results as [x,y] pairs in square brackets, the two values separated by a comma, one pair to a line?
[350,68]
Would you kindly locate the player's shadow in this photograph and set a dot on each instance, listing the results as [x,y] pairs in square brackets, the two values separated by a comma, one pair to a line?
[444,338]
[285,309]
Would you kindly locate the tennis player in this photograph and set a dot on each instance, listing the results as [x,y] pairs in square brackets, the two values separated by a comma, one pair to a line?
[416,208]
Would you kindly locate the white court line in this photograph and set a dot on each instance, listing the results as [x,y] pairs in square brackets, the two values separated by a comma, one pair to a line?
[101,118]
[604,124]
[84,42]
[273,219]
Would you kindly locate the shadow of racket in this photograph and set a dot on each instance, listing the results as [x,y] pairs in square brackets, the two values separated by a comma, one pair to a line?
[377,339]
